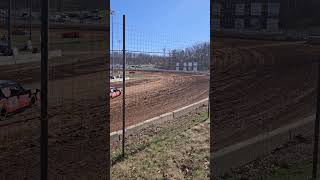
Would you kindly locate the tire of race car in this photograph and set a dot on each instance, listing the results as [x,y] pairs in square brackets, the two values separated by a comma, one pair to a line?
[3,114]
[33,100]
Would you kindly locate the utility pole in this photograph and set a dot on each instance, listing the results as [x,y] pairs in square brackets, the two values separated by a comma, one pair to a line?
[112,57]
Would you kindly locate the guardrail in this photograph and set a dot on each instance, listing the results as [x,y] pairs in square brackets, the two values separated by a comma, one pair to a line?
[27,58]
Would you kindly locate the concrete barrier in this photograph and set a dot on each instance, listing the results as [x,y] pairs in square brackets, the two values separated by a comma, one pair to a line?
[166,117]
[244,152]
[182,111]
[116,136]
[207,73]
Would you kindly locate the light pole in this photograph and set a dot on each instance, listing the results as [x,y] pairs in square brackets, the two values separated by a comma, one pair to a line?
[119,43]
[112,13]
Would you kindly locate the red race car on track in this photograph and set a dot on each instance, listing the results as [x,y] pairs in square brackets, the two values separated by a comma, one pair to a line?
[114,92]
[14,97]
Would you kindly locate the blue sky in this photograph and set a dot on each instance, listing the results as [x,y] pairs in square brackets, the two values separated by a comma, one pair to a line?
[156,24]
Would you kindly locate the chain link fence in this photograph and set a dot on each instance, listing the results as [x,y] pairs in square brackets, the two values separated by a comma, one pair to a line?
[77,93]
[164,73]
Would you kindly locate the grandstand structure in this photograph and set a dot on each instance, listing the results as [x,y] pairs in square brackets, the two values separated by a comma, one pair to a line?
[253,15]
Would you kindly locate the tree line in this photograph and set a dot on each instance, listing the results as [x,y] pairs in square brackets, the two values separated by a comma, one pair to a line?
[167,60]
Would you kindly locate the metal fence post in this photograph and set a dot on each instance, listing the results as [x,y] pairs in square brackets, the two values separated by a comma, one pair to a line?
[316,130]
[44,89]
[124,86]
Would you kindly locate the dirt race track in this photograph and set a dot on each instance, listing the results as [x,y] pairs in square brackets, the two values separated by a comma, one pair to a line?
[159,94]
[260,86]
[77,110]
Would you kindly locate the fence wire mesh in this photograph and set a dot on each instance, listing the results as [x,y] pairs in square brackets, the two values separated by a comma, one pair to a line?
[164,72]
[78,83]
[19,104]
[264,87]
[78,92]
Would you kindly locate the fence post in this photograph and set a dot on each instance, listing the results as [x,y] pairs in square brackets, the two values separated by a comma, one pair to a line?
[44,89]
[124,86]
[316,129]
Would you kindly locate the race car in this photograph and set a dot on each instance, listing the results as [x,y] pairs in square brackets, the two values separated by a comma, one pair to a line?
[71,35]
[14,97]
[114,92]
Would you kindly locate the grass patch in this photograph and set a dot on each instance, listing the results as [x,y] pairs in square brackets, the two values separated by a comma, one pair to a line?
[170,153]
[295,171]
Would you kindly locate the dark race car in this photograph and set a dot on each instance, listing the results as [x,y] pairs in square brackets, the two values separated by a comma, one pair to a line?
[14,97]
[71,35]
[114,92]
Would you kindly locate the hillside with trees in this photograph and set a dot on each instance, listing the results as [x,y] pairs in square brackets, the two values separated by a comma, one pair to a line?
[197,53]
